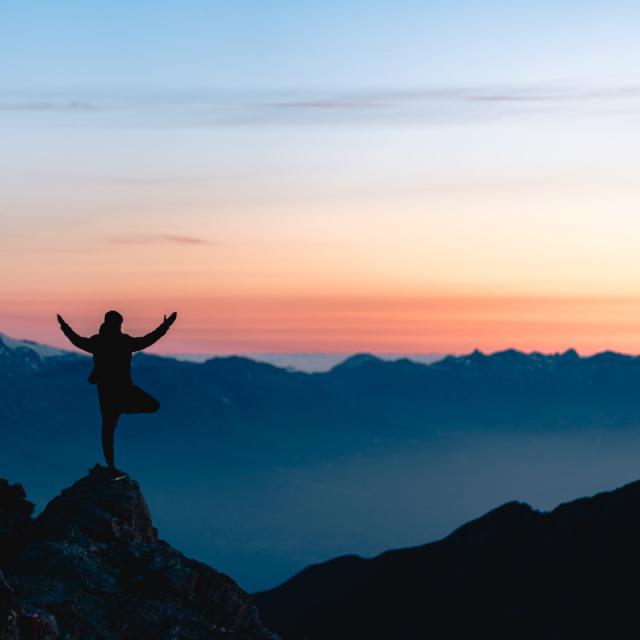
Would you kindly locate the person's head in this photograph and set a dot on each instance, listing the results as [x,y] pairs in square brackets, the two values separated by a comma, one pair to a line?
[112,323]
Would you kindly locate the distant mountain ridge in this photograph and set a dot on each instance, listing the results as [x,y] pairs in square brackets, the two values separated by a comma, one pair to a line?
[306,362]
[43,350]
[398,399]
[513,573]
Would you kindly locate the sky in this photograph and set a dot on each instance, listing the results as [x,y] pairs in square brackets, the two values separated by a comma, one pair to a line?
[400,177]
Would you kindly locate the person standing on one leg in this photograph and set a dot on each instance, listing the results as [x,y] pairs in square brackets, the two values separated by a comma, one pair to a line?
[112,351]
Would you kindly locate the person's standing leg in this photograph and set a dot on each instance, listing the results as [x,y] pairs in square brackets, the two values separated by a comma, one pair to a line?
[110,415]
[109,422]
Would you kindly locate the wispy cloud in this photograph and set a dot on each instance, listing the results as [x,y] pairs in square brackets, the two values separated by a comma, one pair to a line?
[167,238]
[209,109]
[46,105]
[391,99]
[435,106]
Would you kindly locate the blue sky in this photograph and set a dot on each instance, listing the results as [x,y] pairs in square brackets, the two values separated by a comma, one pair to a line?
[350,44]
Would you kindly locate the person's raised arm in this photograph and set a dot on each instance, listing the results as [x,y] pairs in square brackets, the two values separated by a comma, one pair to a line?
[73,337]
[137,344]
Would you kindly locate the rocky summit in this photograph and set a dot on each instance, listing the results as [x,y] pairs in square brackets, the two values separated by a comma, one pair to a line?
[91,566]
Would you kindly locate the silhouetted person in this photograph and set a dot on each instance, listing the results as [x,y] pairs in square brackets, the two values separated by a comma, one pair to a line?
[112,350]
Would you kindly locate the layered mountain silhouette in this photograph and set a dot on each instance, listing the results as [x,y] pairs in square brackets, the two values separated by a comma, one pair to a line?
[360,398]
[399,398]
[91,566]
[333,449]
[515,572]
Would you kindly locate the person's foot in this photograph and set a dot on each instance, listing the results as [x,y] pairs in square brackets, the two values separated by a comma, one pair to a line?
[99,469]
[112,471]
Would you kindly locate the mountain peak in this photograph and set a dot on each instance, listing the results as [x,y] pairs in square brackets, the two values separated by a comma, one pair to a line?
[42,350]
[100,506]
[358,360]
[91,565]
[498,524]
[514,572]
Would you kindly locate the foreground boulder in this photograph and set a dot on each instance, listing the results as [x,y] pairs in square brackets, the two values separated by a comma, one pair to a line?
[15,520]
[94,568]
[5,605]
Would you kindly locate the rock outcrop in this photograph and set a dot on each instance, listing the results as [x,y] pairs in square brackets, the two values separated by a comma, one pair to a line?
[93,567]
[15,520]
[5,605]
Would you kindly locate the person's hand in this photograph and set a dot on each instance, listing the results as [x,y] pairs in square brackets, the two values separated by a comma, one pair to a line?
[171,319]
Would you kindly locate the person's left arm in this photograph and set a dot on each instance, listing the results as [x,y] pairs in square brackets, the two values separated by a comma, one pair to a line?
[76,340]
[138,344]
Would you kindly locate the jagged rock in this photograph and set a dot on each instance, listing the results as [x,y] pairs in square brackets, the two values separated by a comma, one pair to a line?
[13,499]
[100,508]
[6,598]
[95,569]
[33,623]
[15,520]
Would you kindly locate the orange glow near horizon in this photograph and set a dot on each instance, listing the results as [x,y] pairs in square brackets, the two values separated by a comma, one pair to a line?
[384,237]
[356,324]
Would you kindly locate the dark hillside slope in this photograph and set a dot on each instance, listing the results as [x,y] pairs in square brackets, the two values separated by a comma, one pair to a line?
[573,572]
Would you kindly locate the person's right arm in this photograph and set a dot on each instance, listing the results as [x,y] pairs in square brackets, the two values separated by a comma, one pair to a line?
[73,337]
[138,344]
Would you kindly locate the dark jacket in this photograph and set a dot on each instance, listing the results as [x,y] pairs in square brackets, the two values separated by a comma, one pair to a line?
[112,352]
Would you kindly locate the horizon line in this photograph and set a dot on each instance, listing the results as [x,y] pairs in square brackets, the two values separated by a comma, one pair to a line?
[431,354]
